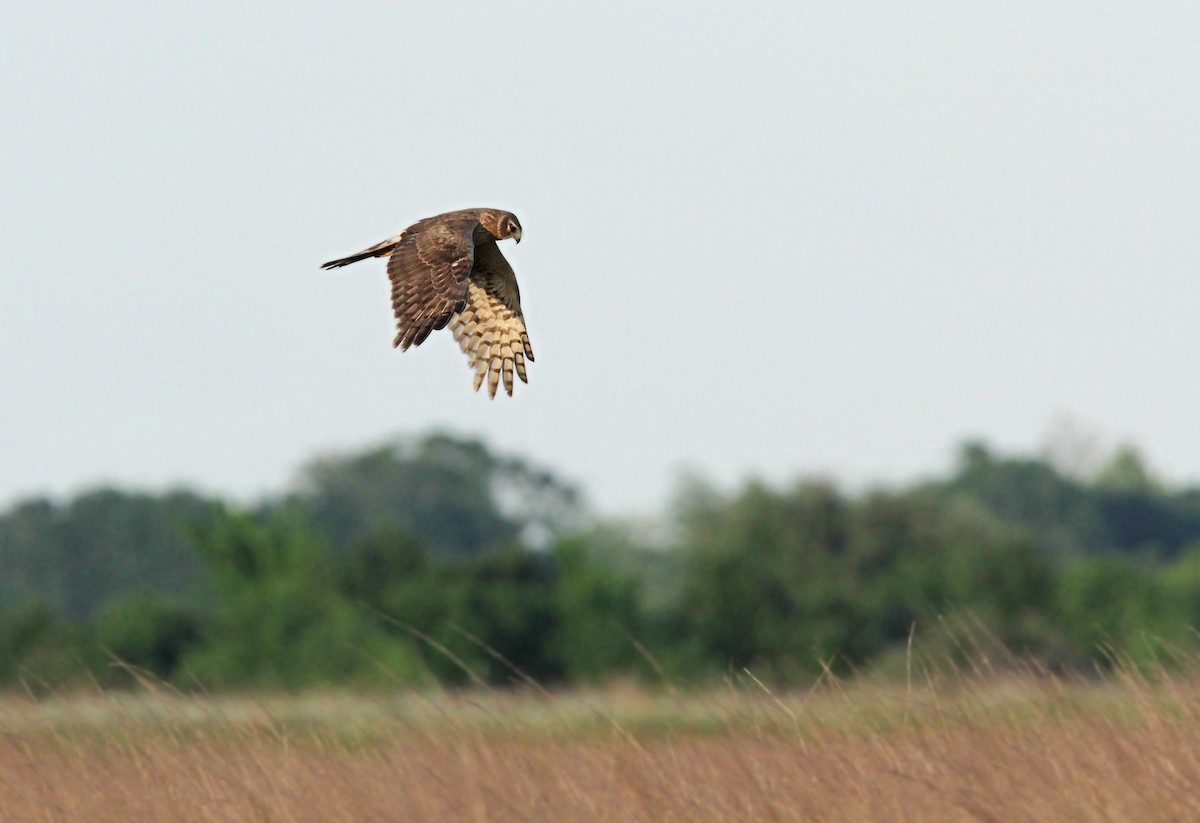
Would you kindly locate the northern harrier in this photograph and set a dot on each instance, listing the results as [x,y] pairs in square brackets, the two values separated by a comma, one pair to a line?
[447,270]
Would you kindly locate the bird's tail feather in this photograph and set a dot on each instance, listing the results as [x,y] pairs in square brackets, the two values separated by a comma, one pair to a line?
[378,250]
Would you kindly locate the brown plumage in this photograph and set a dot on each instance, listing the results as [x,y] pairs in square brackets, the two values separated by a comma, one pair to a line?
[447,270]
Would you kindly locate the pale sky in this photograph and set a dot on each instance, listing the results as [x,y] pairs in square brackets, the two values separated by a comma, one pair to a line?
[770,238]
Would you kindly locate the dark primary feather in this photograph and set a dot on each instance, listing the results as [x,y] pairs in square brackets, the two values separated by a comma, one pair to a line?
[430,269]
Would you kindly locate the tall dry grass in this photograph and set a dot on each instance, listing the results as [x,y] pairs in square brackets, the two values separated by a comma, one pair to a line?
[1024,747]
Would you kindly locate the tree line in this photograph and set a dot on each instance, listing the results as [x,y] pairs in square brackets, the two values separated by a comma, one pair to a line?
[437,560]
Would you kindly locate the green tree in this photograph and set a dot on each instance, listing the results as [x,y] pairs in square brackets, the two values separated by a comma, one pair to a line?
[149,632]
[504,601]
[1104,603]
[454,496]
[1058,511]
[597,615]
[43,652]
[764,582]
[281,621]
[1180,585]
[100,545]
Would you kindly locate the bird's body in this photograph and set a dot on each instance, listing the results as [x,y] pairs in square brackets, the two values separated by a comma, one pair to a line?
[447,270]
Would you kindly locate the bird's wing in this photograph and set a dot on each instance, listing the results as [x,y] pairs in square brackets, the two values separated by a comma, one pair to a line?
[491,328]
[430,269]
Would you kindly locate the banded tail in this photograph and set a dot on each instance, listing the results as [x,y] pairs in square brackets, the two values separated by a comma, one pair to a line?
[378,250]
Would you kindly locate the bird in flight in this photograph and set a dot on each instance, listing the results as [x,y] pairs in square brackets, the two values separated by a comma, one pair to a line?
[447,270]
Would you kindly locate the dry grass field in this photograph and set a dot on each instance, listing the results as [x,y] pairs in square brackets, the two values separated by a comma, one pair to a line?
[1004,748]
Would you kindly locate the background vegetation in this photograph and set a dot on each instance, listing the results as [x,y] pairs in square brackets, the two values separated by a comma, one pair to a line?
[437,559]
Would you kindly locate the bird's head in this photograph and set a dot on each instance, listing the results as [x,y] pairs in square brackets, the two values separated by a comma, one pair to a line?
[502,225]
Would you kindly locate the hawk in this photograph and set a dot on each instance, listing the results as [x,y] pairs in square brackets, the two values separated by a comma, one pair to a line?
[447,270]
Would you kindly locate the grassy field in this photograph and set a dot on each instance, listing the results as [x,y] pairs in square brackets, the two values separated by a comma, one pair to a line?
[1000,748]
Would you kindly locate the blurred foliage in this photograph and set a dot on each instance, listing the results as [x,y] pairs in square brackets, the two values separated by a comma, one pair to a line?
[101,544]
[453,495]
[148,632]
[437,561]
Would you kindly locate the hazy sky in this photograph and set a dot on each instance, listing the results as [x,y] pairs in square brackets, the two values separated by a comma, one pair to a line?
[777,238]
